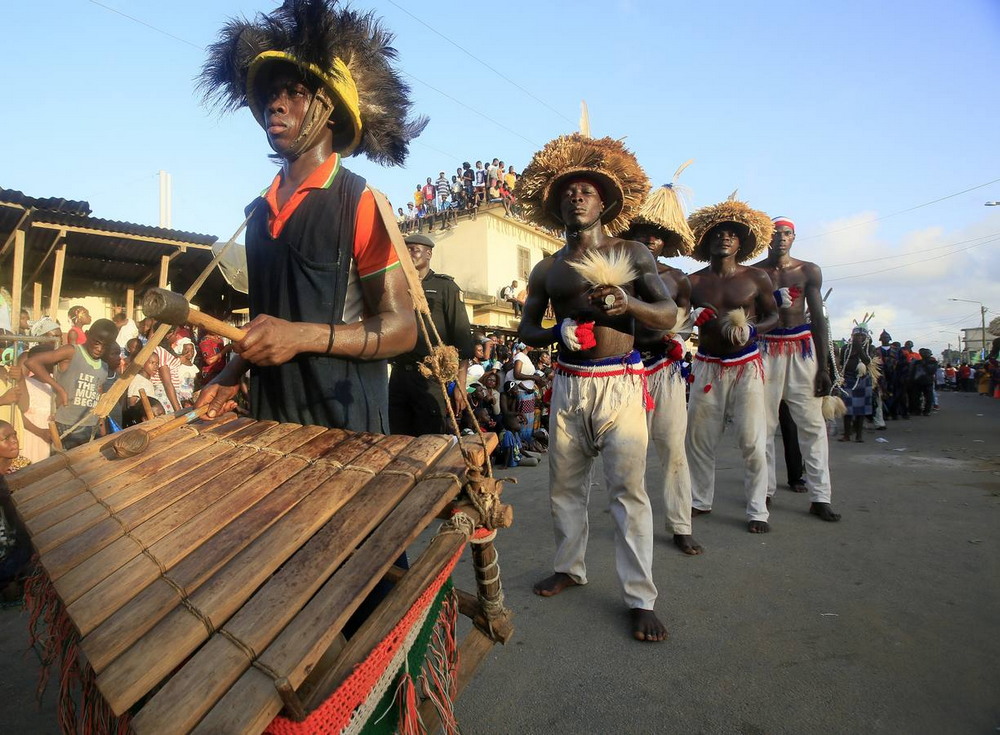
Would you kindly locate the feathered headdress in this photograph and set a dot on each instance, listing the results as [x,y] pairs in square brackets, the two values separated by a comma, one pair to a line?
[755,228]
[862,326]
[605,161]
[664,211]
[347,52]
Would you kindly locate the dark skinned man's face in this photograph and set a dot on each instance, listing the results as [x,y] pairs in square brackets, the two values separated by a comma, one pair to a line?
[285,97]
[649,237]
[723,241]
[782,239]
[420,255]
[580,203]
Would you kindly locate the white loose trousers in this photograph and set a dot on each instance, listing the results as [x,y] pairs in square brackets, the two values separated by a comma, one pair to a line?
[667,424]
[732,386]
[598,408]
[790,368]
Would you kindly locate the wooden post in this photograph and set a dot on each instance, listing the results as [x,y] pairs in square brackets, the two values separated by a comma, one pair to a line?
[130,303]
[57,275]
[15,306]
[164,270]
[36,303]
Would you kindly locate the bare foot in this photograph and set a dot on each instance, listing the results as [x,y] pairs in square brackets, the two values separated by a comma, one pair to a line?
[552,586]
[700,512]
[758,527]
[687,544]
[646,626]
[824,511]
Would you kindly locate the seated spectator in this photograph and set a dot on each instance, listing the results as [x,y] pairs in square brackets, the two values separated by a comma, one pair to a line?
[509,452]
[409,219]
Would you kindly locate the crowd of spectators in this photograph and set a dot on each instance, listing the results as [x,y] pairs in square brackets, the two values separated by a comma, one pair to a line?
[440,201]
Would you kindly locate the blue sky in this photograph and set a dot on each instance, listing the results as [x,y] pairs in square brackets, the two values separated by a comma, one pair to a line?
[836,115]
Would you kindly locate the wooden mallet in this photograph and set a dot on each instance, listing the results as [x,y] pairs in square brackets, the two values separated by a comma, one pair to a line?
[172,308]
[132,443]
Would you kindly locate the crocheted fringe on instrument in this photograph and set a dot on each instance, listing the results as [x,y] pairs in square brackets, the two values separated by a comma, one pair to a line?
[606,267]
[82,709]
[382,693]
[736,327]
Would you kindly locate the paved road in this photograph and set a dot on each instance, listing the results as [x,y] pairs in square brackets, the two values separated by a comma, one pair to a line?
[887,622]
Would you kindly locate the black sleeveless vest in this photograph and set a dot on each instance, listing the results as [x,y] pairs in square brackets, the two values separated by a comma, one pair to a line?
[302,276]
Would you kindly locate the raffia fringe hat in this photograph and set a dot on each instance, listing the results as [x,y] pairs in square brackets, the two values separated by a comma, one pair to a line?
[663,210]
[755,228]
[605,161]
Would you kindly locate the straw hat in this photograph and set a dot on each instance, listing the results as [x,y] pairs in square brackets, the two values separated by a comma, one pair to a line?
[755,228]
[604,161]
[663,210]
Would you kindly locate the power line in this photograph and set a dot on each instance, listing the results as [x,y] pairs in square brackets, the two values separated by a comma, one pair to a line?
[411,76]
[907,265]
[151,27]
[473,56]
[902,211]
[472,109]
[915,252]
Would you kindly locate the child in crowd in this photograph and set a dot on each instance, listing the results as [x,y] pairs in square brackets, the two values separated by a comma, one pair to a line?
[144,382]
[79,383]
[187,372]
[36,409]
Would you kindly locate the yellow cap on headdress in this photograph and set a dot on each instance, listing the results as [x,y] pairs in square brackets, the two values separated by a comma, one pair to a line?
[337,80]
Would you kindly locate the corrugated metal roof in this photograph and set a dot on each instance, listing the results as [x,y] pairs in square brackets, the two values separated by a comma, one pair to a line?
[106,257]
[52,204]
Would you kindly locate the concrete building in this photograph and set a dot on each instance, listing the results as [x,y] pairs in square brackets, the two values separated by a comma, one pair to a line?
[976,340]
[486,254]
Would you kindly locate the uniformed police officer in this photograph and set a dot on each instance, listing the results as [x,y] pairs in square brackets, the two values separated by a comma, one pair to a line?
[416,405]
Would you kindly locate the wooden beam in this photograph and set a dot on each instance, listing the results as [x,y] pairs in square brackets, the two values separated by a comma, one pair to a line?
[130,302]
[123,235]
[57,276]
[18,278]
[149,277]
[164,270]
[61,235]
[10,237]
[36,304]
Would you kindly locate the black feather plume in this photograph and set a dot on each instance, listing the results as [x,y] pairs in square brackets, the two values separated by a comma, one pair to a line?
[316,32]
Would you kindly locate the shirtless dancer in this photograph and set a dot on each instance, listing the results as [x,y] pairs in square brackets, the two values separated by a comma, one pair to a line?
[597,394]
[661,227]
[796,365]
[728,373]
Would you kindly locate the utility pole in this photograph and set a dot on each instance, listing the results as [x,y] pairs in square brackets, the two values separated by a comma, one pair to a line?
[166,204]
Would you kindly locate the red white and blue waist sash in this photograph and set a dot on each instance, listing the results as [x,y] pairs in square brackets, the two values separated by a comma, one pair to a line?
[748,357]
[605,367]
[787,341]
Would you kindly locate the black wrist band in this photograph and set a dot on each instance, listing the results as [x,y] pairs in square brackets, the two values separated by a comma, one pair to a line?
[329,345]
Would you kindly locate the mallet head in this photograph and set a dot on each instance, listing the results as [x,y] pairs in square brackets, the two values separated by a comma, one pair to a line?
[165,306]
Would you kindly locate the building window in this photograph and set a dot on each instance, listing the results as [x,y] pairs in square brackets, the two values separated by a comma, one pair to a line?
[523,263]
